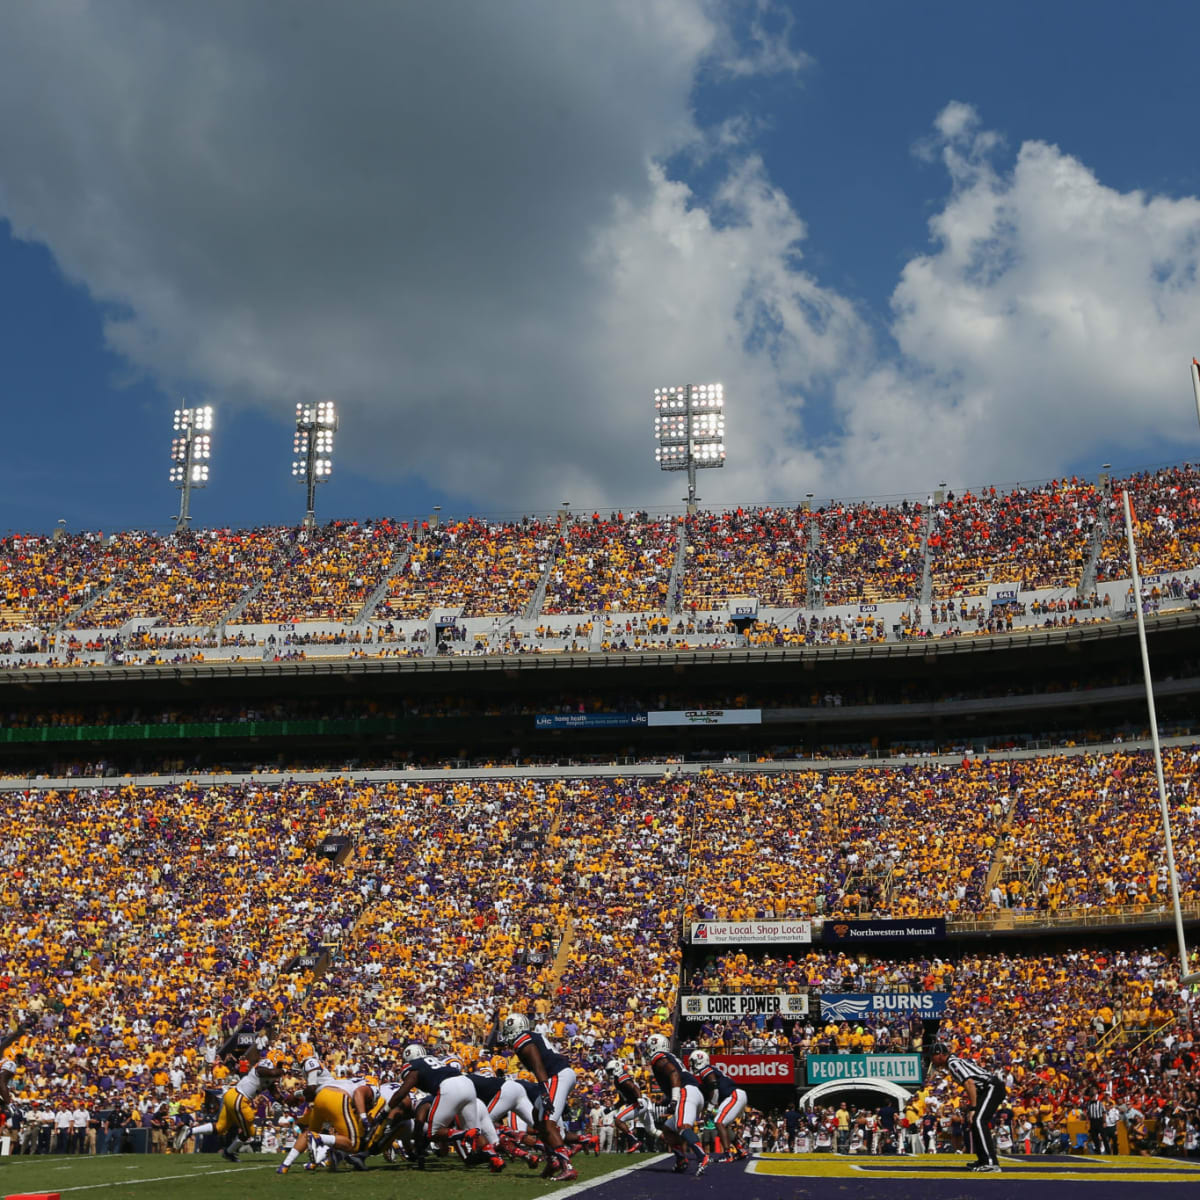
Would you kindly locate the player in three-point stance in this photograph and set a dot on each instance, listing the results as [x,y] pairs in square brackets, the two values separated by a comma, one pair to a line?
[726,1098]
[686,1101]
[452,1094]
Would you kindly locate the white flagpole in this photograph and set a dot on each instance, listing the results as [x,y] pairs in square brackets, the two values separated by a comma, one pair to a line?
[1185,977]
[1196,385]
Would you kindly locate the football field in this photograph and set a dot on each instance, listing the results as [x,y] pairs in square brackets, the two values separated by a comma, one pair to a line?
[610,1177]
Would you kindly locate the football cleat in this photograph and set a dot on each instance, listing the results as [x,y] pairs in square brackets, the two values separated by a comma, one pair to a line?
[185,1132]
[357,1161]
[495,1164]
[565,1175]
[282,1170]
[702,1165]
[229,1156]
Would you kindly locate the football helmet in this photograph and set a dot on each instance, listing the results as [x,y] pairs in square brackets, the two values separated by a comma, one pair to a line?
[485,1071]
[614,1066]
[515,1024]
[413,1051]
[658,1043]
[698,1060]
[453,1061]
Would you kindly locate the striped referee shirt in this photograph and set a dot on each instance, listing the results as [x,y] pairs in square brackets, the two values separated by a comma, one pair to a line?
[963,1069]
[1096,1110]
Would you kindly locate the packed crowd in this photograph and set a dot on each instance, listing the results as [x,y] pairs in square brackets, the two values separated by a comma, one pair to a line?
[1058,1026]
[142,923]
[472,565]
[621,563]
[1031,537]
[329,574]
[850,552]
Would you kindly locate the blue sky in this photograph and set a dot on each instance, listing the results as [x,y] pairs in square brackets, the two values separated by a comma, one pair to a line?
[909,238]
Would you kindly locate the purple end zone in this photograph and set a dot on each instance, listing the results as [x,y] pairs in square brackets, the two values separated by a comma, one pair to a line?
[730,1181]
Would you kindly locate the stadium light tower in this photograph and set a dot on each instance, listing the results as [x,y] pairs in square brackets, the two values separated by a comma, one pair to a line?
[191,448]
[690,429]
[313,447]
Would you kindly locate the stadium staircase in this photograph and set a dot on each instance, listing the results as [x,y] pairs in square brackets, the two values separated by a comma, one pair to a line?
[814,584]
[677,569]
[377,596]
[534,607]
[927,562]
[75,613]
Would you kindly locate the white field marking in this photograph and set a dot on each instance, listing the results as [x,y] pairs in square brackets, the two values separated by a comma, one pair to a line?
[88,1187]
[576,1188]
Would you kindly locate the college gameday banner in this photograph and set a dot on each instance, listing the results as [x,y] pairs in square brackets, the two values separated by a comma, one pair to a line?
[757,1068]
[847,933]
[706,716]
[726,1008]
[854,1006]
[894,1068]
[740,933]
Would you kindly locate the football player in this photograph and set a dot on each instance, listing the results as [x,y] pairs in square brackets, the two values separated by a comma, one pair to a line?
[555,1079]
[341,1105]
[502,1098]
[726,1098]
[686,1101]
[235,1121]
[452,1095]
[630,1103]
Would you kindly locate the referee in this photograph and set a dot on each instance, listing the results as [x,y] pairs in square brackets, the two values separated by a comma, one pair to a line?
[985,1092]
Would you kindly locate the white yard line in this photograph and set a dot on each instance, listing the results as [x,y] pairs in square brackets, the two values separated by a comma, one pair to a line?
[87,1187]
[576,1188]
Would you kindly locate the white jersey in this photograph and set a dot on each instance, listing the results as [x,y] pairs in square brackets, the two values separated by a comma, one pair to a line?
[349,1086]
[252,1082]
[8,1067]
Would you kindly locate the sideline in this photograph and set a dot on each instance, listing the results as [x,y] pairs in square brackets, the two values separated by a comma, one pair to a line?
[576,1188]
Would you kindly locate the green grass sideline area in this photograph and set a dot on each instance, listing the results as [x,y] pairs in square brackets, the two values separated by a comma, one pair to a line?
[209,1177]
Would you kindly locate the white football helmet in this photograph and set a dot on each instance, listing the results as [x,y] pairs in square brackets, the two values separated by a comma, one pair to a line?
[698,1060]
[515,1024]
[485,1071]
[658,1043]
[614,1066]
[413,1051]
[454,1062]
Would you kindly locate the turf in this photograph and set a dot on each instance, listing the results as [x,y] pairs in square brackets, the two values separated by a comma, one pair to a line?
[209,1177]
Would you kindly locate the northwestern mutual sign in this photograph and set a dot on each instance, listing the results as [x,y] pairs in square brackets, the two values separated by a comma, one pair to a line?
[845,933]
[894,1068]
[740,933]
[854,1006]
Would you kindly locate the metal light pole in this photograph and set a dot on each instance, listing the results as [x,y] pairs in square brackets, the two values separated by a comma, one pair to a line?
[313,445]
[191,449]
[690,430]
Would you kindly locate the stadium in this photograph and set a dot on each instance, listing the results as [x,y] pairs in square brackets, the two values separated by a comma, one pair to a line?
[803,791]
[804,807]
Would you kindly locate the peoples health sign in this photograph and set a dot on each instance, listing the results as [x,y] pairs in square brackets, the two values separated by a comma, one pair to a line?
[892,1068]
[726,1008]
[741,933]
[854,1006]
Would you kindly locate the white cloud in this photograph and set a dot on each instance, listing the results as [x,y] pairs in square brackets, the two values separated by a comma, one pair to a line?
[1053,315]
[454,219]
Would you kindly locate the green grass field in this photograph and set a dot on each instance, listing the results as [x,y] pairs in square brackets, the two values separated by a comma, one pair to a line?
[209,1177]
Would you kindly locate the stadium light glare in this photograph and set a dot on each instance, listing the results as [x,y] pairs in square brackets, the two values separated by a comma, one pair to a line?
[189,454]
[690,430]
[312,446]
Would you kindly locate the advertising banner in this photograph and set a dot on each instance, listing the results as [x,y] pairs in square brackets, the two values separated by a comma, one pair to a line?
[725,1008]
[894,1068]
[600,720]
[845,933]
[757,1068]
[707,716]
[854,1006]
[742,933]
